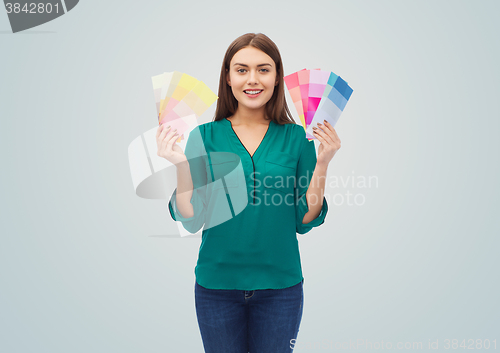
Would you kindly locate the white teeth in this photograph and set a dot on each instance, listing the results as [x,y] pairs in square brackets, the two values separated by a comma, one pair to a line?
[253,92]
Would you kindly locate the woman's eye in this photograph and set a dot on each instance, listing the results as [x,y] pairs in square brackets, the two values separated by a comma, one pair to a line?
[240,70]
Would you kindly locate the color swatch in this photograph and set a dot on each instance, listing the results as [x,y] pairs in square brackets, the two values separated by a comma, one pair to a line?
[180,100]
[317,95]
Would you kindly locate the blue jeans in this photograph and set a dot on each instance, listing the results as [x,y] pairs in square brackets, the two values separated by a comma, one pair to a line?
[257,321]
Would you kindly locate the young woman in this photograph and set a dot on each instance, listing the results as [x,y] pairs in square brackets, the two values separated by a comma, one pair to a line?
[249,283]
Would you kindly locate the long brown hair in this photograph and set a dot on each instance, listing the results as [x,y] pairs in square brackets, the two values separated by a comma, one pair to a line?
[276,107]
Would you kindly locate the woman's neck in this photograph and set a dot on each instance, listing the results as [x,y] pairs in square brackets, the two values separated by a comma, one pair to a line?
[249,117]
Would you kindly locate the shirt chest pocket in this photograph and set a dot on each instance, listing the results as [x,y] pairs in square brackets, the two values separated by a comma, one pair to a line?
[223,168]
[281,170]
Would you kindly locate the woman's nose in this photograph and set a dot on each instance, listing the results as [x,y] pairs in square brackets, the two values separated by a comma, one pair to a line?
[252,78]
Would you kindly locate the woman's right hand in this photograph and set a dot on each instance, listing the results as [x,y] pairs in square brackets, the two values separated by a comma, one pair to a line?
[167,148]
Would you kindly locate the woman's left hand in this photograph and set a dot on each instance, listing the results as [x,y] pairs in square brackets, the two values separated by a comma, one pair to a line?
[330,143]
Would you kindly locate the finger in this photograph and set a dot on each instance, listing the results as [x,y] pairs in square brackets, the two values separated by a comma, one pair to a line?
[165,131]
[177,137]
[328,129]
[327,126]
[323,134]
[159,137]
[332,129]
[164,136]
[321,139]
[168,139]
[171,138]
[331,134]
[165,145]
[159,130]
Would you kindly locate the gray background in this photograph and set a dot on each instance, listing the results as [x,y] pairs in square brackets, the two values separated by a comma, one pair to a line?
[88,266]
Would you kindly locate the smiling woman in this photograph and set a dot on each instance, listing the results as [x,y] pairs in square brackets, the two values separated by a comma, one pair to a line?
[252,62]
[249,283]
[252,78]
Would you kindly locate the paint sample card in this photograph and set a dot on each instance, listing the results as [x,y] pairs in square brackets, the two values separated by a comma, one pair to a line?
[332,104]
[317,95]
[180,100]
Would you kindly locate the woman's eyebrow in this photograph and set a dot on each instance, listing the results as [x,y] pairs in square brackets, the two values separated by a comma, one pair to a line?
[247,65]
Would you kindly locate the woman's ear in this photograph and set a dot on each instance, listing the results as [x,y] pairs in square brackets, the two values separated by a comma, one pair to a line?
[227,78]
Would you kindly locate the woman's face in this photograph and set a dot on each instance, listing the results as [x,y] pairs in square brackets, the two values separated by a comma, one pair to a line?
[252,70]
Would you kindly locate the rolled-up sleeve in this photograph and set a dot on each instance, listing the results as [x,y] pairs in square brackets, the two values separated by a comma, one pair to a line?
[195,155]
[305,170]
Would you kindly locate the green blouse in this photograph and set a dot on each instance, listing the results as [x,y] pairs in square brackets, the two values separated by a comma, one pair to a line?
[250,207]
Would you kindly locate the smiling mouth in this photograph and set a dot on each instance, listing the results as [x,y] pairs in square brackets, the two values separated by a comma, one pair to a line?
[253,92]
